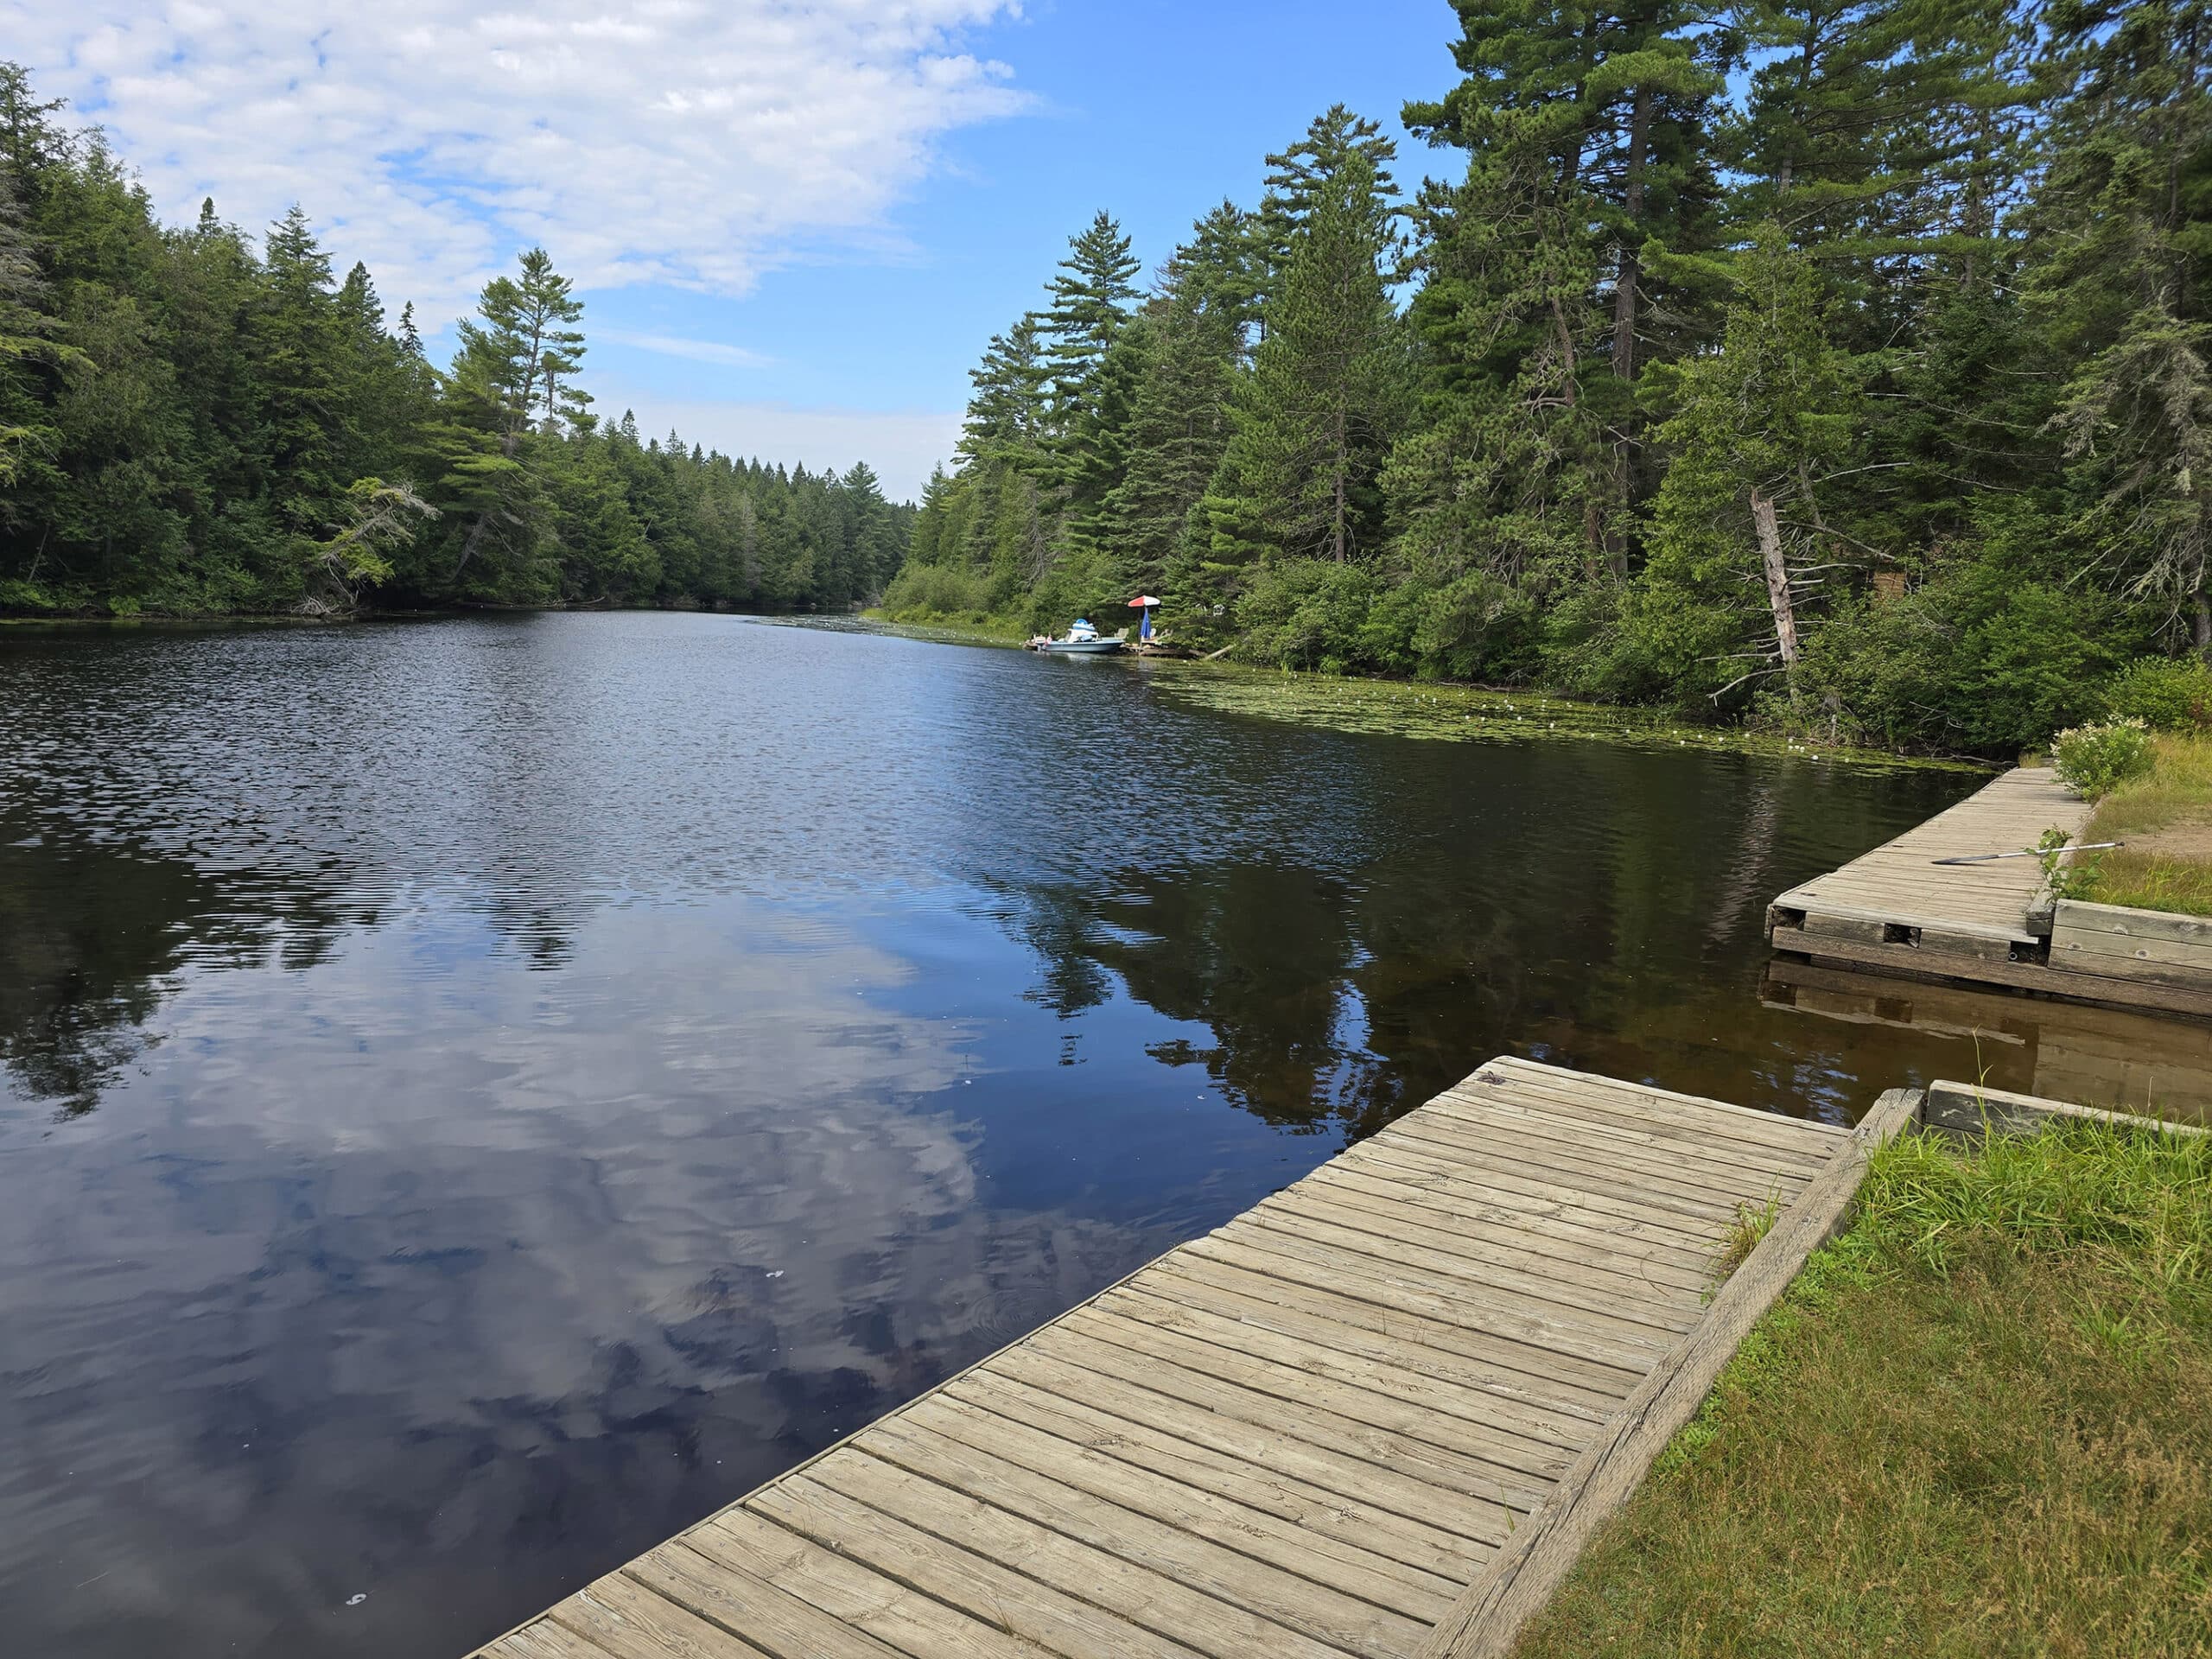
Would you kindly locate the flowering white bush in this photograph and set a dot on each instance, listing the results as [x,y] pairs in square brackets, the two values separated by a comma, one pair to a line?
[2097,759]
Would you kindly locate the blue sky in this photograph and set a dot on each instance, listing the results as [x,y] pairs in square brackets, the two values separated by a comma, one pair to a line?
[795,224]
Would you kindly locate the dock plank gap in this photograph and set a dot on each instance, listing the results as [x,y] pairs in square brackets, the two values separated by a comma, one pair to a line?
[1375,1414]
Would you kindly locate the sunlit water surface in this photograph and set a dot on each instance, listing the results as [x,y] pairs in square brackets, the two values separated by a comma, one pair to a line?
[479,1094]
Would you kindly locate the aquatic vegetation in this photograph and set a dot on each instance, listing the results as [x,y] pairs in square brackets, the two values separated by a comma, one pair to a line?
[1463,713]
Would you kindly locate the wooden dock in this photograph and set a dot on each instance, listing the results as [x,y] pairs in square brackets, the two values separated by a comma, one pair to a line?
[1899,894]
[1896,911]
[1375,1414]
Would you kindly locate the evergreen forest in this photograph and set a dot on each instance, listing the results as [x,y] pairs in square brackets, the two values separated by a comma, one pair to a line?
[194,421]
[1841,365]
[1837,365]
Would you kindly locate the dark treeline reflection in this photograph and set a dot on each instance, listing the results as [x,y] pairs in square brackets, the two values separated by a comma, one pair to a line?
[479,1094]
[1596,906]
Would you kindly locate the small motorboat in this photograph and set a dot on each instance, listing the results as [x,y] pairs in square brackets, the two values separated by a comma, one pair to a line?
[1082,640]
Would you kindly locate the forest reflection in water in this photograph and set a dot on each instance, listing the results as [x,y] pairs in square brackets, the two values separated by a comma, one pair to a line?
[480,1093]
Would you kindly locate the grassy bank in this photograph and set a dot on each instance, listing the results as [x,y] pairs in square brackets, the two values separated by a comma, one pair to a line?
[2165,819]
[1975,1425]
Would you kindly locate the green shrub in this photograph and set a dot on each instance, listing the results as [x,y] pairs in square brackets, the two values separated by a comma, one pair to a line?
[2097,760]
[923,592]
[1309,613]
[2164,694]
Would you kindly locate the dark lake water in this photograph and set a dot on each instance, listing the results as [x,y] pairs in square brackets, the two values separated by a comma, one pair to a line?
[479,1094]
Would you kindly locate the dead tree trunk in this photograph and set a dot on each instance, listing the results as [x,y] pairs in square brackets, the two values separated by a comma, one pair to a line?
[1778,576]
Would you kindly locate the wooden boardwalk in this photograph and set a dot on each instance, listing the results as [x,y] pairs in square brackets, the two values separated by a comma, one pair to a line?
[1323,1429]
[1899,894]
[1896,911]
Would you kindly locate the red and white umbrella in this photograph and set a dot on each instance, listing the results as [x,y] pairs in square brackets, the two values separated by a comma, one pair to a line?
[1143,602]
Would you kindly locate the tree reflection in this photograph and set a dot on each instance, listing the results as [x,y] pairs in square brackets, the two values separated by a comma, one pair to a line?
[90,935]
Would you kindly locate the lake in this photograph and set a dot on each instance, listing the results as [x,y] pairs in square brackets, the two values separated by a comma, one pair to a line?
[479,1094]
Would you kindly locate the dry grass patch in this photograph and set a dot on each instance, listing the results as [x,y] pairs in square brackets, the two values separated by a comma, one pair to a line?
[2165,817]
[1977,1425]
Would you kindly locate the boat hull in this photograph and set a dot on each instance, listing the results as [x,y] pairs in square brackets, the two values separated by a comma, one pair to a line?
[1081,647]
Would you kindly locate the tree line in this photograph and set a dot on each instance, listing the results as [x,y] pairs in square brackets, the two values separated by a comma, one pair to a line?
[191,424]
[1837,364]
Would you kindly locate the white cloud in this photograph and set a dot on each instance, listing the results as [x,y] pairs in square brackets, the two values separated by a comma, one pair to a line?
[694,351]
[674,141]
[900,445]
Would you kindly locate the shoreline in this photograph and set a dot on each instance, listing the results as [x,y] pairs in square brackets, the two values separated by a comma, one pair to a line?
[1445,710]
[1439,710]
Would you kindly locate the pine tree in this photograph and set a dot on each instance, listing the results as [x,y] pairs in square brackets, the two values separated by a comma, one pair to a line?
[1178,421]
[299,342]
[2123,224]
[1008,416]
[513,367]
[1739,539]
[1090,301]
[1326,395]
[1559,267]
[1301,175]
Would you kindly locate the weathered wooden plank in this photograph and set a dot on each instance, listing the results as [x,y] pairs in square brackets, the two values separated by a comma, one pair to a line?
[1838,925]
[1627,1118]
[1539,1323]
[862,1595]
[1426,1218]
[1607,1284]
[631,1622]
[1510,1339]
[1513,1369]
[543,1638]
[740,1601]
[1639,1311]
[1531,1225]
[1253,1529]
[1705,1190]
[1717,1118]
[1516,1187]
[1273,1339]
[1527,1160]
[2137,923]
[2104,989]
[1159,1600]
[1425,1461]
[1311,1388]
[2132,944]
[1492,1102]
[955,1573]
[2182,955]
[1438,1557]
[1346,1471]
[1523,1574]
[1621,1124]
[1970,1108]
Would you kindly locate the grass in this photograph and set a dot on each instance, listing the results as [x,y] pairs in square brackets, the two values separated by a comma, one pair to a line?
[1751,1223]
[2167,815]
[1976,1425]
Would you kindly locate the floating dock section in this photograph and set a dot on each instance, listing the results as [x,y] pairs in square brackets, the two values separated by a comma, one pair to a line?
[1376,1414]
[1898,911]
